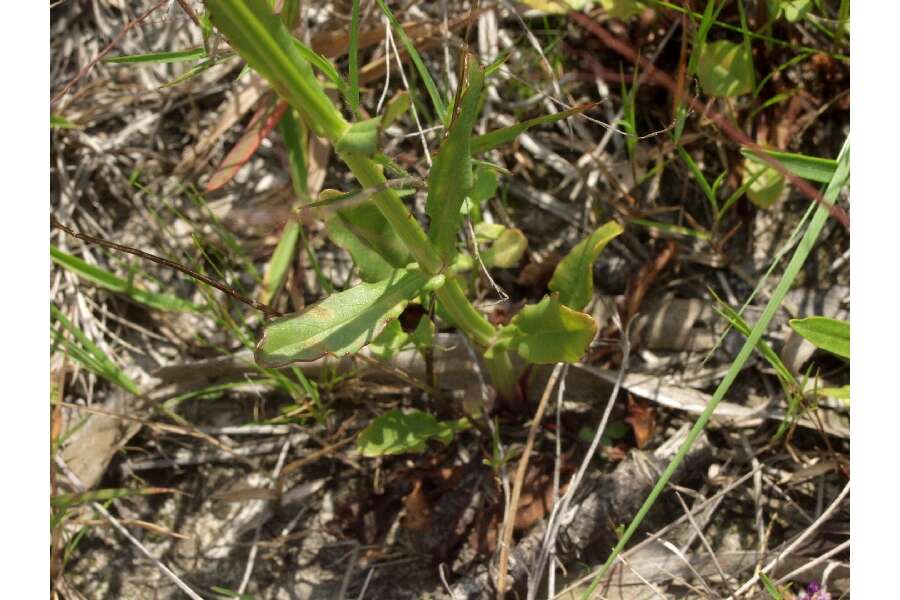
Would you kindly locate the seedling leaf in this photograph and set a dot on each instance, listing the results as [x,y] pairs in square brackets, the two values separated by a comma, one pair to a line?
[506,250]
[725,69]
[396,432]
[765,183]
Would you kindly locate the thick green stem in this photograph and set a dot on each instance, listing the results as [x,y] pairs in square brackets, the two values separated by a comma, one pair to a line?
[503,373]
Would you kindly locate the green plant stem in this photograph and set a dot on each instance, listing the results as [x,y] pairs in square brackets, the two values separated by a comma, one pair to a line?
[503,373]
[391,206]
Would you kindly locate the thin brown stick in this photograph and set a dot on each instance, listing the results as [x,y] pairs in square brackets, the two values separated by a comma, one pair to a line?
[168,263]
[506,535]
[737,136]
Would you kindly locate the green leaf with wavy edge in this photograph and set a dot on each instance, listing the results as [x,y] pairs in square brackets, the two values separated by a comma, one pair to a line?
[342,323]
[494,139]
[725,69]
[813,168]
[451,177]
[832,335]
[574,275]
[396,432]
[547,333]
[107,280]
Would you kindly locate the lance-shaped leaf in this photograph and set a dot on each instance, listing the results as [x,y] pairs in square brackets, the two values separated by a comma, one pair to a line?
[828,334]
[574,275]
[813,168]
[548,332]
[499,137]
[451,174]
[342,323]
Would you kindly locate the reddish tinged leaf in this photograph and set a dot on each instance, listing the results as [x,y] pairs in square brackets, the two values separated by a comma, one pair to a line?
[265,119]
[418,509]
[642,419]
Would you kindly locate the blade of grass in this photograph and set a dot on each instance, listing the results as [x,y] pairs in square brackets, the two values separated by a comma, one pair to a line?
[87,353]
[837,183]
[672,229]
[436,100]
[701,179]
[813,168]
[159,57]
[107,280]
[496,138]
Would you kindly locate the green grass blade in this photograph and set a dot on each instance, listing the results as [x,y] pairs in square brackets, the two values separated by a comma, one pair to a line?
[436,101]
[494,139]
[738,322]
[701,179]
[85,352]
[841,176]
[198,69]
[107,280]
[672,229]
[103,495]
[159,57]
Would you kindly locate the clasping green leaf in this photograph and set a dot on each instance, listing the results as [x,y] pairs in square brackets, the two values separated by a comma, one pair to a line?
[342,323]
[451,175]
[547,333]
